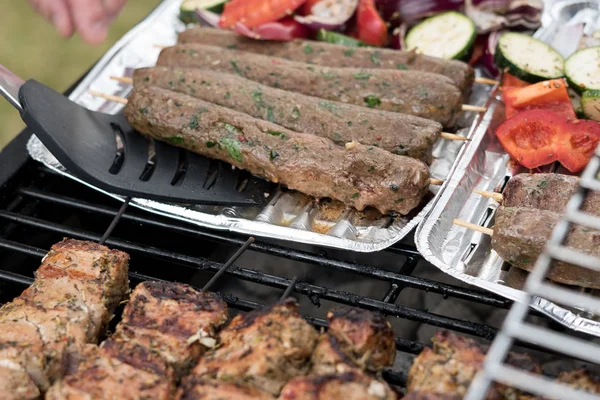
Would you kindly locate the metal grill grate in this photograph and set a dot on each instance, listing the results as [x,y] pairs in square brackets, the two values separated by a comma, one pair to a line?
[515,327]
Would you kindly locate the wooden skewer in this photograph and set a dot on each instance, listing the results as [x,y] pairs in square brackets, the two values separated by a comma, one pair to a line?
[160,46]
[490,195]
[122,79]
[433,181]
[468,107]
[108,96]
[478,228]
[486,81]
[452,136]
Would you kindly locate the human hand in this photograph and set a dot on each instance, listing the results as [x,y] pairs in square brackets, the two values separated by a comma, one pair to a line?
[89,18]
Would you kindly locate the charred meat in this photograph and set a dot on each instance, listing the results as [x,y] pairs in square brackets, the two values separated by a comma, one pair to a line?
[332,55]
[422,94]
[398,133]
[196,388]
[357,175]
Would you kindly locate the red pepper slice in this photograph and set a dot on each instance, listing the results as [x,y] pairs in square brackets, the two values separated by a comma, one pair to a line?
[509,81]
[549,95]
[253,13]
[530,137]
[371,28]
[577,142]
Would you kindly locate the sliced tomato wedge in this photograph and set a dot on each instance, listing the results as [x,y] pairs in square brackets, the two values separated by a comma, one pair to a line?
[549,95]
[253,13]
[370,27]
[577,142]
[306,8]
[530,137]
[509,81]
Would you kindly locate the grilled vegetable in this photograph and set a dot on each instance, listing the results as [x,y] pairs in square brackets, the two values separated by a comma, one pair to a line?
[327,14]
[583,69]
[546,95]
[337,38]
[332,55]
[253,13]
[448,35]
[370,27]
[590,103]
[511,81]
[527,58]
[187,11]
[283,29]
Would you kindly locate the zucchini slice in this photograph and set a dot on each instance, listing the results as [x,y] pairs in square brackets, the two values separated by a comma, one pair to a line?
[590,104]
[583,69]
[527,58]
[188,7]
[337,38]
[447,35]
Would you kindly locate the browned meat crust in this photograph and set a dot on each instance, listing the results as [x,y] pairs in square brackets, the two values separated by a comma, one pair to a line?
[173,320]
[321,53]
[520,235]
[549,192]
[211,389]
[581,379]
[429,396]
[357,175]
[355,338]
[398,133]
[350,385]
[451,365]
[418,93]
[264,348]
[76,289]
[15,383]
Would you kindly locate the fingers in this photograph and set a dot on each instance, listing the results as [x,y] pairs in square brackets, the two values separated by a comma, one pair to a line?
[57,12]
[113,7]
[90,20]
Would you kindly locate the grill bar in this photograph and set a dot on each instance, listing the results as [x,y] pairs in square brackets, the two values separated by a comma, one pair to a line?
[292,254]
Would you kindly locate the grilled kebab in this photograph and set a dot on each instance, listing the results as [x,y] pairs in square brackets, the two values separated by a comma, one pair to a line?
[264,349]
[418,93]
[357,175]
[44,331]
[165,328]
[342,123]
[332,55]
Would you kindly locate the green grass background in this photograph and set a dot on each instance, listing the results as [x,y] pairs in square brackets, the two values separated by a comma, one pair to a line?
[31,48]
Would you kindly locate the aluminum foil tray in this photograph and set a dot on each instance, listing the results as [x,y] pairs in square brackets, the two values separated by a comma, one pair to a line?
[289,215]
[466,254]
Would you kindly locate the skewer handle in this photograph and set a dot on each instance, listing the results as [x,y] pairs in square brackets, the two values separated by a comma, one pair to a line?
[122,79]
[108,96]
[473,227]
[433,181]
[468,107]
[486,81]
[452,136]
[490,195]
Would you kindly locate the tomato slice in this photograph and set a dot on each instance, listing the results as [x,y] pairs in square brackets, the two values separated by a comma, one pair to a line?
[577,143]
[307,7]
[371,28]
[549,95]
[253,13]
[509,81]
[530,137]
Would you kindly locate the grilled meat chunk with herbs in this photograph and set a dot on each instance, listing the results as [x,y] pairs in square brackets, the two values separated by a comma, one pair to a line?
[212,389]
[357,175]
[333,55]
[264,348]
[15,383]
[449,368]
[549,192]
[172,320]
[418,93]
[124,371]
[398,133]
[355,338]
[520,235]
[349,385]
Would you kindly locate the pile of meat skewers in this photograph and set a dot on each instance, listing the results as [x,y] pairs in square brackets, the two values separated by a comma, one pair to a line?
[355,132]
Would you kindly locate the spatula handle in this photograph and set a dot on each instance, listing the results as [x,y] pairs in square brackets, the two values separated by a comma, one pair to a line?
[9,87]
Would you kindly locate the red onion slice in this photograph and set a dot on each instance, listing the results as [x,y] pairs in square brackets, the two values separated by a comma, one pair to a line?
[207,18]
[328,14]
[284,30]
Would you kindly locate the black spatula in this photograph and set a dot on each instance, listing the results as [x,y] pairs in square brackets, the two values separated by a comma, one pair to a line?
[106,152]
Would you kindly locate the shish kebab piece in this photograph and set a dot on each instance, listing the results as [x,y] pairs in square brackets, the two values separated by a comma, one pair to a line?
[357,175]
[43,332]
[417,93]
[398,133]
[332,55]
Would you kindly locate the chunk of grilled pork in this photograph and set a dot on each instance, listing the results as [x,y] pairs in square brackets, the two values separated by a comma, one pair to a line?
[350,385]
[355,337]
[197,388]
[15,383]
[264,348]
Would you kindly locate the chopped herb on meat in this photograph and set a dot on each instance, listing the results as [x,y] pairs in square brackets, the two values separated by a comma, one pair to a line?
[308,49]
[362,75]
[372,101]
[236,68]
[375,58]
[273,154]
[232,129]
[349,52]
[295,113]
[232,146]
[175,139]
[270,116]
[355,195]
[402,67]
[257,96]
[210,144]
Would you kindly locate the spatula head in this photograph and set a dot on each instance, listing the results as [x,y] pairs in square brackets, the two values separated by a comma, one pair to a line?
[106,152]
